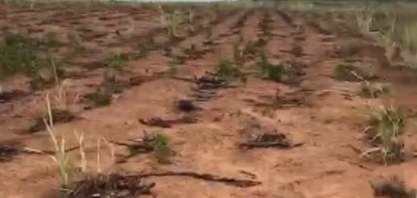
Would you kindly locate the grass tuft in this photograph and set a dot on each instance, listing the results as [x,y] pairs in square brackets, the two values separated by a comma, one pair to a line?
[386,126]
[60,157]
[173,68]
[171,22]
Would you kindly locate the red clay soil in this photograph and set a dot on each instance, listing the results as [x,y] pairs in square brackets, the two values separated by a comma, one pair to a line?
[313,113]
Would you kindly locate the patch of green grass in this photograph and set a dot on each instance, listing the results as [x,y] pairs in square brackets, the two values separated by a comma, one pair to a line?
[100,98]
[18,54]
[228,71]
[118,61]
[173,68]
[161,148]
[270,71]
[29,56]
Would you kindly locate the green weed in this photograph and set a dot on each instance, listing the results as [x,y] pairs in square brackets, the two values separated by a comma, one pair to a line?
[270,71]
[28,56]
[161,148]
[228,71]
[18,54]
[173,68]
[100,98]
[118,61]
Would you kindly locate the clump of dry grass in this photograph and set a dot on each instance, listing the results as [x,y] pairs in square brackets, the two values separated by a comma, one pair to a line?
[95,183]
[364,20]
[63,162]
[373,90]
[171,21]
[410,37]
[386,127]
[60,157]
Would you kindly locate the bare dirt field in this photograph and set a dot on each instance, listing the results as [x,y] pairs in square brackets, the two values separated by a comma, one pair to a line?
[254,135]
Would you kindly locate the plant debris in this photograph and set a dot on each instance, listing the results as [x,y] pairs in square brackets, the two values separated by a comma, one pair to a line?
[209,81]
[159,122]
[156,143]
[354,72]
[203,95]
[293,99]
[112,185]
[265,140]
[135,147]
[7,152]
[186,105]
[374,90]
[208,177]
[7,96]
[392,187]
[58,116]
